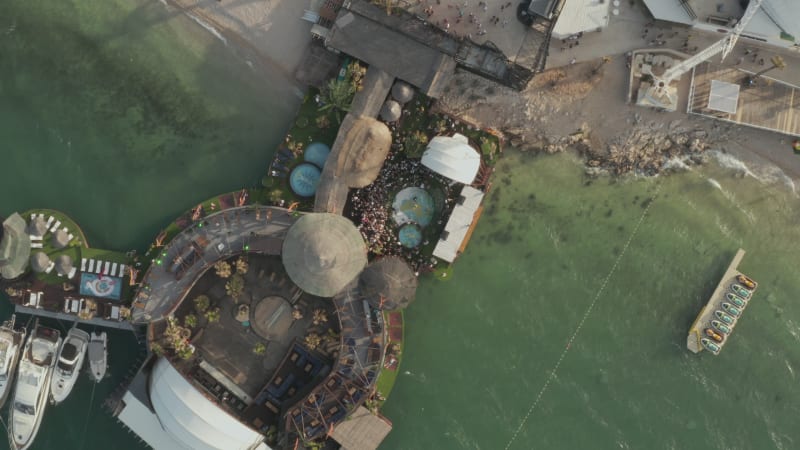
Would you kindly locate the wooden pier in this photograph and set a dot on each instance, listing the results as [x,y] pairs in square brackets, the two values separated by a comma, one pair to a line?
[703,320]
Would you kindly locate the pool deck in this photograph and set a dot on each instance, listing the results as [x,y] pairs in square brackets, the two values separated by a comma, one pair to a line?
[706,315]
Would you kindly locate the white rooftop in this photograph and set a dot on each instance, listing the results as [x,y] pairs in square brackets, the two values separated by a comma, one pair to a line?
[723,97]
[458,225]
[581,15]
[453,158]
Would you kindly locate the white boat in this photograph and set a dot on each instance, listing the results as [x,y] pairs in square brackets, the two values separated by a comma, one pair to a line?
[33,385]
[70,361]
[98,355]
[11,342]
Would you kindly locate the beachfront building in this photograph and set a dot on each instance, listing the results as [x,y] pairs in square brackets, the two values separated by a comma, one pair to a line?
[777,22]
[281,360]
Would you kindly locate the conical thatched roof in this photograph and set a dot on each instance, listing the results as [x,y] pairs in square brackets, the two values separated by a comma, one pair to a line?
[323,253]
[63,264]
[391,111]
[388,283]
[402,92]
[363,151]
[15,247]
[60,239]
[37,227]
[39,261]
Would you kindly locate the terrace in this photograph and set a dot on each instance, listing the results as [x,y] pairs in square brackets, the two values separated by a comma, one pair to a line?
[252,345]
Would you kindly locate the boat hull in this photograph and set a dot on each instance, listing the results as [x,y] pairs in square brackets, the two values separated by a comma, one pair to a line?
[62,383]
[98,356]
[724,318]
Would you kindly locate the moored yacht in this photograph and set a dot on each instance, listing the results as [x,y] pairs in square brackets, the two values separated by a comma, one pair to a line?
[721,327]
[710,345]
[724,317]
[33,385]
[98,355]
[11,342]
[740,291]
[735,300]
[68,367]
[730,309]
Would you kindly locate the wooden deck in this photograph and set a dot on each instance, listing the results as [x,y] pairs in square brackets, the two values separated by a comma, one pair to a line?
[771,105]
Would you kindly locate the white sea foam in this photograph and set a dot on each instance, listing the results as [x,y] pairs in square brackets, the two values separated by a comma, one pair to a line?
[208,27]
[765,173]
[676,164]
[729,161]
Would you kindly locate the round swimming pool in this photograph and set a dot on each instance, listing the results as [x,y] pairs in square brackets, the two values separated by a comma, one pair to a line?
[304,179]
[317,153]
[410,235]
[413,205]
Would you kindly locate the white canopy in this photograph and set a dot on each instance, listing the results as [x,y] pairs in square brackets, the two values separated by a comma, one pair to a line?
[453,158]
[191,419]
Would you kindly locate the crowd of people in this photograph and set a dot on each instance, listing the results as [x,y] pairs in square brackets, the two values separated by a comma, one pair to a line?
[467,18]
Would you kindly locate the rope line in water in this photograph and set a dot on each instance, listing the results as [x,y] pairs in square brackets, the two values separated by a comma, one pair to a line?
[586,314]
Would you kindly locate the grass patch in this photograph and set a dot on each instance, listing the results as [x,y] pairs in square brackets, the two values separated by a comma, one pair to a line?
[386,378]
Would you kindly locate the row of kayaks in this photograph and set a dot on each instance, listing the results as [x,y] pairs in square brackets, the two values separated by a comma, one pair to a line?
[731,309]
[46,367]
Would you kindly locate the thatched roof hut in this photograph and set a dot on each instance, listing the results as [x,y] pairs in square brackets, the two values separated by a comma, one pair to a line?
[366,145]
[63,264]
[39,262]
[15,247]
[323,253]
[388,283]
[60,239]
[37,227]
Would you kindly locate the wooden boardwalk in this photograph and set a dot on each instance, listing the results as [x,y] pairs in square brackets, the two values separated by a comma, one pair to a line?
[771,105]
[706,315]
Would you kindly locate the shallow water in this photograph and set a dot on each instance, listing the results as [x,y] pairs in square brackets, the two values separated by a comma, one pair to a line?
[123,115]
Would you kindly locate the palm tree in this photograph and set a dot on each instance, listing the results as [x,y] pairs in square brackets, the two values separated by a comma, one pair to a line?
[223,269]
[235,287]
[338,95]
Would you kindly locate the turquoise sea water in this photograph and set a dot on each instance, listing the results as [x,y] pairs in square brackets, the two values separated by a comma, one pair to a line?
[123,115]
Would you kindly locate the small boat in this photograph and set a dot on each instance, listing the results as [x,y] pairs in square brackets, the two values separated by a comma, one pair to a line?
[740,291]
[98,355]
[728,320]
[710,345]
[70,361]
[746,282]
[730,309]
[721,327]
[714,335]
[735,300]
[11,343]
[33,385]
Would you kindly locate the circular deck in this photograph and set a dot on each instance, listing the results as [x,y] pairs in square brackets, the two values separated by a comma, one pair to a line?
[317,153]
[271,317]
[304,179]
[413,205]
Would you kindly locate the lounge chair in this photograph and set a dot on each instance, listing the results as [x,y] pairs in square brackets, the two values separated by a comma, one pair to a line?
[35,238]
[55,226]
[72,273]
[33,216]
[91,266]
[83,264]
[50,267]
[32,300]
[122,269]
[105,269]
[98,269]
[49,222]
[36,245]
[113,270]
[71,237]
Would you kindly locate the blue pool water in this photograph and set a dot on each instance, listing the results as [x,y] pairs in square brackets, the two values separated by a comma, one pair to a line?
[304,179]
[317,153]
[103,287]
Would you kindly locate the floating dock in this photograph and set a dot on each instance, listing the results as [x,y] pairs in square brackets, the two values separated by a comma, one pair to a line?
[703,320]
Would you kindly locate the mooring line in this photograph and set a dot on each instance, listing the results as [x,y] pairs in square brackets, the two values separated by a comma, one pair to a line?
[586,314]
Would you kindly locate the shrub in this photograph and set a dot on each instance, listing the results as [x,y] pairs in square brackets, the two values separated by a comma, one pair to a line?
[223,269]
[259,349]
[190,321]
[212,315]
[201,303]
[235,287]
[241,266]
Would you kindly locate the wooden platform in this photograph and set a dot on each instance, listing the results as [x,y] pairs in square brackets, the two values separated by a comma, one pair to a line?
[771,105]
[706,315]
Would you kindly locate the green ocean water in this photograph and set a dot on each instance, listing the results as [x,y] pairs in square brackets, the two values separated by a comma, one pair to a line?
[123,114]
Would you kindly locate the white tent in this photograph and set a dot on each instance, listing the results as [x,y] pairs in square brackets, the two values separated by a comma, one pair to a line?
[453,158]
[191,419]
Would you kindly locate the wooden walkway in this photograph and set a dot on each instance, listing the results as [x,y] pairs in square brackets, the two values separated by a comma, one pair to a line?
[771,105]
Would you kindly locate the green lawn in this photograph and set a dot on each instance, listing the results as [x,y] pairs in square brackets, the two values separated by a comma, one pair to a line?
[386,377]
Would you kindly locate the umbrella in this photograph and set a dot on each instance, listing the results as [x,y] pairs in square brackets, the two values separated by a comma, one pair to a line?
[391,111]
[388,283]
[323,253]
[63,264]
[39,262]
[402,92]
[60,239]
[37,227]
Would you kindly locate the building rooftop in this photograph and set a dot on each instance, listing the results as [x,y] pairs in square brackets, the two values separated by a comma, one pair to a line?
[362,431]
